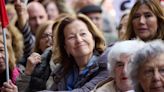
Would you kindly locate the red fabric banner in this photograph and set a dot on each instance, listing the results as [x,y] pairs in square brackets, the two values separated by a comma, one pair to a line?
[3,14]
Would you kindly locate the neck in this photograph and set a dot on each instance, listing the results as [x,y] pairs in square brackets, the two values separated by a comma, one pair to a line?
[83,61]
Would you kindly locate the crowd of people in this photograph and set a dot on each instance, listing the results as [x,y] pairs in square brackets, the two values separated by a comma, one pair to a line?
[55,47]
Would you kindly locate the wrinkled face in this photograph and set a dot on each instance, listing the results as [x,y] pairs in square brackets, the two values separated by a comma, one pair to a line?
[79,41]
[2,57]
[151,74]
[97,19]
[52,11]
[37,15]
[122,81]
[145,23]
[46,39]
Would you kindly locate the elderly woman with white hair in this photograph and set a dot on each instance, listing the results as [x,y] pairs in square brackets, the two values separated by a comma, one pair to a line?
[147,68]
[118,58]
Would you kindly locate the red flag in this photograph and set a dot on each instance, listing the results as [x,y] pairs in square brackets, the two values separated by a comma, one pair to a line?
[3,15]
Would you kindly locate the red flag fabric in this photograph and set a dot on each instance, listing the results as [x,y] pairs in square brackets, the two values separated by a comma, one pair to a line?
[3,14]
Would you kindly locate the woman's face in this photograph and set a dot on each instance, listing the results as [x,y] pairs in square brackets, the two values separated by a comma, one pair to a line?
[46,39]
[79,41]
[52,11]
[121,78]
[151,74]
[2,57]
[145,23]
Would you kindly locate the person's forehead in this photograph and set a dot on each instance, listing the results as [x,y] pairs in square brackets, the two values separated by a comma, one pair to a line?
[93,13]
[36,7]
[123,57]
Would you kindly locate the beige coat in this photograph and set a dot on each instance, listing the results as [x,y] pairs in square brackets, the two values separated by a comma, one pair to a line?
[105,86]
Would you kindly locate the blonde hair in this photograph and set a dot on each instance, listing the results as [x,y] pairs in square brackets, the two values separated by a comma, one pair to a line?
[11,55]
[17,41]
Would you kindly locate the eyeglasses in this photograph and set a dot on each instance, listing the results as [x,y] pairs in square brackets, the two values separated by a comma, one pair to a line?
[46,35]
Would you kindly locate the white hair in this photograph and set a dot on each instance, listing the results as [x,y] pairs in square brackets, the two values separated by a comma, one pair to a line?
[144,55]
[123,47]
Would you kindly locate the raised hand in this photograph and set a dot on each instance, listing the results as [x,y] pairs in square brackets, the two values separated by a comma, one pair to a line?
[32,61]
[21,10]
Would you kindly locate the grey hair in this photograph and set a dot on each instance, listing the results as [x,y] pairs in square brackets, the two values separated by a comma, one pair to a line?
[122,47]
[150,50]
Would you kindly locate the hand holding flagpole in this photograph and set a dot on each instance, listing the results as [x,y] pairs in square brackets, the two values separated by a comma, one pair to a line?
[4,23]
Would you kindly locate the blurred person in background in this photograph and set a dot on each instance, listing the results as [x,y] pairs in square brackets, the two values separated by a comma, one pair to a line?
[78,4]
[40,66]
[95,13]
[123,25]
[30,17]
[52,10]
[37,15]
[43,41]
[43,37]
[11,12]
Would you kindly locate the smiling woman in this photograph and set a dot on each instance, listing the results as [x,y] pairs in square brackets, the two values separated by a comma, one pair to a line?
[146,21]
[78,45]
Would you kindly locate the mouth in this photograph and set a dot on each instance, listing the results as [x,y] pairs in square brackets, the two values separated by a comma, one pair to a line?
[157,88]
[142,29]
[2,63]
[124,78]
[80,45]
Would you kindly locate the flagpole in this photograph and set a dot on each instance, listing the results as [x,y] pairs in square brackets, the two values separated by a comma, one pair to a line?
[6,54]
[4,22]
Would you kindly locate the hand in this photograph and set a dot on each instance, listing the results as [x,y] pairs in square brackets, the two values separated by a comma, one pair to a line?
[20,7]
[32,61]
[21,11]
[9,87]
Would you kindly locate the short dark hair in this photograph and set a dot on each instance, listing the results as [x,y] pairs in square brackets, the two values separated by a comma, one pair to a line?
[90,9]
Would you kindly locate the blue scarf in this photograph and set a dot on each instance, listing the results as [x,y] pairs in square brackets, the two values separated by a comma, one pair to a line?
[74,74]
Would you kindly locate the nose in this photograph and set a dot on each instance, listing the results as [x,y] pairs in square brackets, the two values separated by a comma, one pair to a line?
[50,39]
[38,21]
[156,76]
[142,20]
[78,38]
